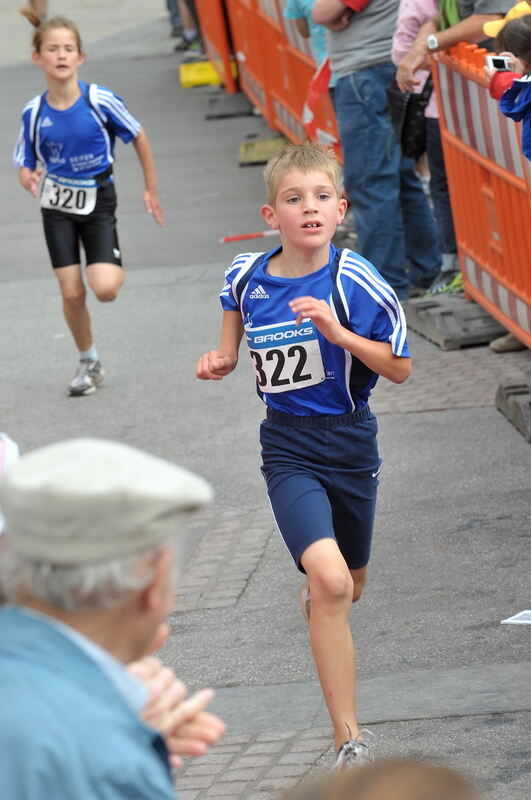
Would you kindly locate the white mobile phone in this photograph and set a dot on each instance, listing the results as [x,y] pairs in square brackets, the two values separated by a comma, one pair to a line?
[498,62]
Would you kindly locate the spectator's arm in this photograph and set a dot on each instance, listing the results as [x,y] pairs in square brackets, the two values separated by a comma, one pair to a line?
[468,30]
[417,57]
[356,5]
[412,15]
[301,23]
[330,12]
[500,82]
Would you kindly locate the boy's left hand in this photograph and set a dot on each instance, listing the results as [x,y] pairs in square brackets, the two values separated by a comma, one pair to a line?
[320,314]
[152,204]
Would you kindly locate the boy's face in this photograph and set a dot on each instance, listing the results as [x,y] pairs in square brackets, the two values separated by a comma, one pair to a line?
[307,209]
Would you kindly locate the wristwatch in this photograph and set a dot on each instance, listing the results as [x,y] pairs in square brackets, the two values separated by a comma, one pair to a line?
[432,43]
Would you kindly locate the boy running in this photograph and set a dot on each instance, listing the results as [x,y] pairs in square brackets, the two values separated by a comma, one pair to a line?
[321,325]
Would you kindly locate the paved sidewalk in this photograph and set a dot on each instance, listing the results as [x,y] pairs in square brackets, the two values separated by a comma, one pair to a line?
[438,675]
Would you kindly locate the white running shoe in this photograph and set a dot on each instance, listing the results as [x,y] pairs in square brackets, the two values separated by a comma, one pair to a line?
[89,374]
[356,752]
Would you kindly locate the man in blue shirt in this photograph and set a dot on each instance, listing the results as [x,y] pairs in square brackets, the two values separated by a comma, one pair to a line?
[87,568]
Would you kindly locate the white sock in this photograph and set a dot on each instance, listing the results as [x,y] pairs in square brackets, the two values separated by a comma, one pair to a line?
[91,354]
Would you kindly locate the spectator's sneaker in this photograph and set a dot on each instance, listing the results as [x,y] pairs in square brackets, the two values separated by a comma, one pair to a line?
[89,374]
[305,601]
[356,752]
[449,282]
[508,343]
[188,45]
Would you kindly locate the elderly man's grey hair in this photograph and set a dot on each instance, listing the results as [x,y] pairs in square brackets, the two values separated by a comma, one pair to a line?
[88,587]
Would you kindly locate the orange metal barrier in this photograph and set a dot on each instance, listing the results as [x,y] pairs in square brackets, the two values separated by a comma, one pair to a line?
[489,181]
[249,49]
[275,64]
[216,38]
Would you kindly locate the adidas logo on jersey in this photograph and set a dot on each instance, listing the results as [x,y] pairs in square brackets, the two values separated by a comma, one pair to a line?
[259,293]
[46,122]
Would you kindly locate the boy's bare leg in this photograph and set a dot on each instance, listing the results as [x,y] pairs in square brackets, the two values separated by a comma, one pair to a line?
[74,305]
[333,588]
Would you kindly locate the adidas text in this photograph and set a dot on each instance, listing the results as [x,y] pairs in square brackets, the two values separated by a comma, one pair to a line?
[259,293]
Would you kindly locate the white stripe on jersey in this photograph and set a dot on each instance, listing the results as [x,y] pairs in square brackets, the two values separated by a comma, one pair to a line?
[380,292]
[20,146]
[394,312]
[240,264]
[106,137]
[109,101]
[20,149]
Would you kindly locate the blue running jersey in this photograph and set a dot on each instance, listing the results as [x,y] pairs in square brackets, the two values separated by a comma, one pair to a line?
[75,142]
[298,370]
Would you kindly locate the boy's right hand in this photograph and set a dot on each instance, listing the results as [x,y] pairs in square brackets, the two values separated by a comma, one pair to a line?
[213,366]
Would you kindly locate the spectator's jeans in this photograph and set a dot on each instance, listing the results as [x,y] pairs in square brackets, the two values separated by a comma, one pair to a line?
[393,219]
[439,193]
[173,8]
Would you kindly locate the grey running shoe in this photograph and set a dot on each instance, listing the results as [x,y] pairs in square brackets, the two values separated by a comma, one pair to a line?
[356,751]
[89,374]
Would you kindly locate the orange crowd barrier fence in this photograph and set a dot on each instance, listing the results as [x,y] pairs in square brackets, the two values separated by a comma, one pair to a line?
[489,181]
[216,39]
[276,69]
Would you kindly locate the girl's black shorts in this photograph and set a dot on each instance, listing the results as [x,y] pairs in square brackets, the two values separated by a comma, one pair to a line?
[96,232]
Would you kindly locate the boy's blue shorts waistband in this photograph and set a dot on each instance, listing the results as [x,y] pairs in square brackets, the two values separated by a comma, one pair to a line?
[331,421]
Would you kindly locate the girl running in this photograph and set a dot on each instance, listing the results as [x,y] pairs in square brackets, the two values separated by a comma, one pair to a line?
[71,129]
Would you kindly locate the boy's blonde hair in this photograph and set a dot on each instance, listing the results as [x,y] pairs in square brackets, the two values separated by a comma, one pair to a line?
[49,25]
[307,157]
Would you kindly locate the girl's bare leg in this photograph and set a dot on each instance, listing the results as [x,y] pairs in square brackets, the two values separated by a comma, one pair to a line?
[74,305]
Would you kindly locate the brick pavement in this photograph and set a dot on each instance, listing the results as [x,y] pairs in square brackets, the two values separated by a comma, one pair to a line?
[225,559]
[448,379]
[255,767]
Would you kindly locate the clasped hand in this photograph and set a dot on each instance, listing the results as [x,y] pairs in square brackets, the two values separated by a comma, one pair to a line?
[187,728]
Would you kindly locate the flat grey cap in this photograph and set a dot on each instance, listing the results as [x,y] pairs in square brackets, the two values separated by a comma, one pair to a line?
[89,500]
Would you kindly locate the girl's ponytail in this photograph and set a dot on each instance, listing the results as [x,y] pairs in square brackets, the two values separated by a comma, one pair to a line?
[43,27]
[31,16]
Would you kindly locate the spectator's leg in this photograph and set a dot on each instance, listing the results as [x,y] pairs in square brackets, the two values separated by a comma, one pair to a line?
[440,196]
[175,19]
[422,248]
[371,163]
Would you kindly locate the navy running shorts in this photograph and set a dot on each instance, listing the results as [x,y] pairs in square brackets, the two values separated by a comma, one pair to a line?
[322,475]
[96,232]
